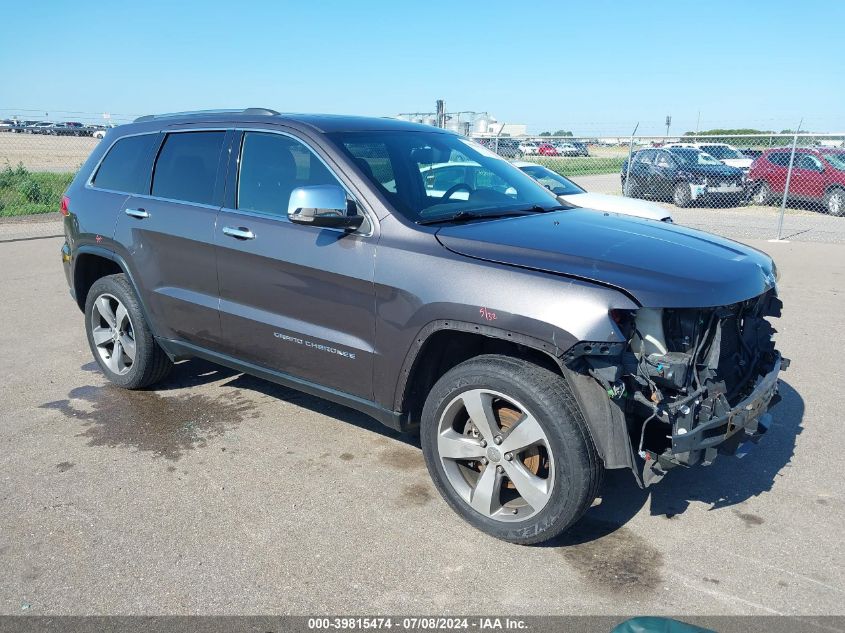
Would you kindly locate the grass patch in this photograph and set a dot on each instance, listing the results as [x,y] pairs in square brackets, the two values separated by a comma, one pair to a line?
[580,166]
[23,192]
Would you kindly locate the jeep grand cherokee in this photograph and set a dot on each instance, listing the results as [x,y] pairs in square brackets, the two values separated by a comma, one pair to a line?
[532,345]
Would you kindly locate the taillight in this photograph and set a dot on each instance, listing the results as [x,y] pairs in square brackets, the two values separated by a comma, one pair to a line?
[65,208]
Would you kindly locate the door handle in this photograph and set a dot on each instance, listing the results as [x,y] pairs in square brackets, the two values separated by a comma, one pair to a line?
[141,214]
[239,233]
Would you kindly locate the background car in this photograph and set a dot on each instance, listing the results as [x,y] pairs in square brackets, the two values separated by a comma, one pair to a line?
[569,192]
[723,152]
[566,149]
[545,149]
[818,177]
[42,127]
[69,128]
[7,125]
[528,148]
[683,174]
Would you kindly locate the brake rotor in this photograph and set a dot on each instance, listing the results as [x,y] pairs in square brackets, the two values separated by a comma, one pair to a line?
[531,459]
[507,416]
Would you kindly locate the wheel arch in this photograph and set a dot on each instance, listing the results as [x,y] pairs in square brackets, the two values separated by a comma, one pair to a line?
[441,345]
[91,263]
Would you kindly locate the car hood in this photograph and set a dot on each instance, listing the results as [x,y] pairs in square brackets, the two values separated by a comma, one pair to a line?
[617,204]
[656,263]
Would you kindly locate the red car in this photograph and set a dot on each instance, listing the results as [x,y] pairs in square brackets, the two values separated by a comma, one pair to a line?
[545,149]
[818,177]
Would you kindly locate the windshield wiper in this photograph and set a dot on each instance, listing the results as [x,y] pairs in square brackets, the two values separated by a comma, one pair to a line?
[461,216]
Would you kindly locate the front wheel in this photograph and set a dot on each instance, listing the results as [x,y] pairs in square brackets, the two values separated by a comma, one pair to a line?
[119,336]
[509,450]
[834,201]
[681,195]
[762,194]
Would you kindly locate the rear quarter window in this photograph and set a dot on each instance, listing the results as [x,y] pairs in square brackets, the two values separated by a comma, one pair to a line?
[186,168]
[126,167]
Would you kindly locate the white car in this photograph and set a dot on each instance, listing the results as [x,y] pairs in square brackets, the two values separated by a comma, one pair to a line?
[727,154]
[529,148]
[571,193]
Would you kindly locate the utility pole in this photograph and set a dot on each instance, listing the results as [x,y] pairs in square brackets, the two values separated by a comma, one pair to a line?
[668,123]
[698,123]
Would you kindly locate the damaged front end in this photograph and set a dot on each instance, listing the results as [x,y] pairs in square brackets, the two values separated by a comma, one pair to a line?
[692,383]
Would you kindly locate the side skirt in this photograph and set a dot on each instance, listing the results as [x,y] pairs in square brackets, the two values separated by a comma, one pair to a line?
[181,350]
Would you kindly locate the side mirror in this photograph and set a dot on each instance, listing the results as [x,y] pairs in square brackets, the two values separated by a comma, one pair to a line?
[322,205]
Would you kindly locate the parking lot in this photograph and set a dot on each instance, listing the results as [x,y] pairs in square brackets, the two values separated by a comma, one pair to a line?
[220,493]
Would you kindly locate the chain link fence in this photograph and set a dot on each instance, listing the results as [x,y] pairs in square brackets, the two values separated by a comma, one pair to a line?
[805,170]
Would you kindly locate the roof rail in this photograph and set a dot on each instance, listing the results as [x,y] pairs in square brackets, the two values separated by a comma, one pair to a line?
[260,111]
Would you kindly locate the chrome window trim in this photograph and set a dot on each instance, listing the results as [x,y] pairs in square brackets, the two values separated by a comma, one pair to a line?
[371,218]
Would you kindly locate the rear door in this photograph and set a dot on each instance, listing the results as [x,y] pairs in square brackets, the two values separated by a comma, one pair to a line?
[168,232]
[295,299]
[775,170]
[807,177]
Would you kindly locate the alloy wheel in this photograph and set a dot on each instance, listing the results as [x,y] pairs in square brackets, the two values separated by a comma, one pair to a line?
[495,455]
[113,334]
[836,203]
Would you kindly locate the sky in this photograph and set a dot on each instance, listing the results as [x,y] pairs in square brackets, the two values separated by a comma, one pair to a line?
[595,67]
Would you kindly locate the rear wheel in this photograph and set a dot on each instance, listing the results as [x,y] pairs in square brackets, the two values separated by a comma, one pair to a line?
[509,450]
[681,195]
[120,337]
[834,201]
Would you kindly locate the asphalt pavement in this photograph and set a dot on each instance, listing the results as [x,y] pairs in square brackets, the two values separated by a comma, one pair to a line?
[219,493]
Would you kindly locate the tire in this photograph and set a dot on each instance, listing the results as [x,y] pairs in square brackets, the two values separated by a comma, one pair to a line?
[834,202]
[762,194]
[634,189]
[550,475]
[681,195]
[114,321]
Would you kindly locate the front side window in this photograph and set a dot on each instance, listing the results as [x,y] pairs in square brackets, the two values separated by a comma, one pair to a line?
[126,167]
[837,160]
[808,161]
[271,167]
[186,168]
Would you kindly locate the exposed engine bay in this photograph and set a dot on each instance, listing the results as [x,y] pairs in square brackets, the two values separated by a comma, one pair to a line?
[693,383]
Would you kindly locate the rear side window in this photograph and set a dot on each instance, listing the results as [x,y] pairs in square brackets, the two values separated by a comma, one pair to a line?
[126,167]
[779,158]
[186,168]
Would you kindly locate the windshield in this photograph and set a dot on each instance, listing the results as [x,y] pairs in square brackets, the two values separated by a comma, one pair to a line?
[837,160]
[691,156]
[722,152]
[429,175]
[551,180]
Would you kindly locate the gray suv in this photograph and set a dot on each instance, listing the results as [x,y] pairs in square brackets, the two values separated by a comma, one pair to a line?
[416,276]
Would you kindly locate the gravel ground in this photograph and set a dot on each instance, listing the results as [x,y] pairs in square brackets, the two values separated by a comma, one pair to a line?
[218,493]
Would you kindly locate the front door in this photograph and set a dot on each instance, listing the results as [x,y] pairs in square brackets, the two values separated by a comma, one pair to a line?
[295,299]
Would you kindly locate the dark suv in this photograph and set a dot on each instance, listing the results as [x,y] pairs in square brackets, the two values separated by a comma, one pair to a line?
[682,174]
[532,345]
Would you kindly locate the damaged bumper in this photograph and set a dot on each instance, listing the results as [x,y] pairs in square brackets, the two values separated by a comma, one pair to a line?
[735,432]
[746,418]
